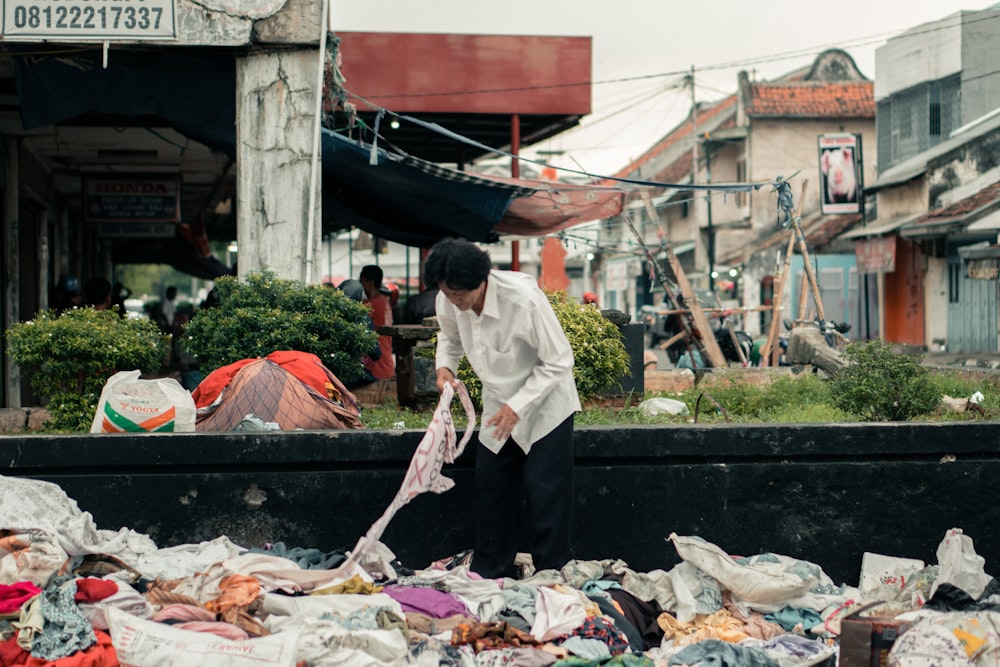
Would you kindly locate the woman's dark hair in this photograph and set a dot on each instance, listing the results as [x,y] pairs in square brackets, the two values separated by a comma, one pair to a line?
[459,264]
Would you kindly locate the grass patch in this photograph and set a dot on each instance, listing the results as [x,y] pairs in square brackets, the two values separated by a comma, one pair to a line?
[789,399]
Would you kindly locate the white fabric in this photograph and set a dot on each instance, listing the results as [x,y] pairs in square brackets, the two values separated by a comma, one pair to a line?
[273,572]
[31,504]
[141,643]
[324,643]
[519,351]
[125,599]
[185,560]
[311,606]
[762,582]
[556,614]
[439,445]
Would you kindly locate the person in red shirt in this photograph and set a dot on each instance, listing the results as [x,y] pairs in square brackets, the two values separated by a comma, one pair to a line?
[384,367]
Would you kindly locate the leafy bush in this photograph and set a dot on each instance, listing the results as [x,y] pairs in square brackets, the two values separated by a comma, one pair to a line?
[267,313]
[70,357]
[878,385]
[599,355]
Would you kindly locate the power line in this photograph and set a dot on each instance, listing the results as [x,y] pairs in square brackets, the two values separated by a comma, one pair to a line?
[936,26]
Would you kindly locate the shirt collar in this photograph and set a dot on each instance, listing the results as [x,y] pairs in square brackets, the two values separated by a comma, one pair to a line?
[491,305]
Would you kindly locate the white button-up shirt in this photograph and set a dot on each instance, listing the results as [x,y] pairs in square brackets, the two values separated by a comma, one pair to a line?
[519,351]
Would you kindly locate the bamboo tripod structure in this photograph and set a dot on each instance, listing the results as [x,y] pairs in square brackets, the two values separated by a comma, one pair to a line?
[771,351]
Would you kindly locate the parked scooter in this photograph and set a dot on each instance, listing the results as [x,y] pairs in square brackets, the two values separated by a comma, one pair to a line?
[720,328]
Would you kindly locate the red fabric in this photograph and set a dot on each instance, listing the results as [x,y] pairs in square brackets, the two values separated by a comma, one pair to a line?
[92,590]
[209,389]
[13,596]
[12,654]
[305,366]
[101,654]
[381,313]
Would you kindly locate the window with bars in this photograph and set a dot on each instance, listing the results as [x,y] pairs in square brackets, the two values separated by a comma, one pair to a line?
[954,280]
[934,109]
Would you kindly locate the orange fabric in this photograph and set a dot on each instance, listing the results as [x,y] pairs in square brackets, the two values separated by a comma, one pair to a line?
[306,367]
[303,365]
[381,313]
[209,389]
[239,591]
[101,654]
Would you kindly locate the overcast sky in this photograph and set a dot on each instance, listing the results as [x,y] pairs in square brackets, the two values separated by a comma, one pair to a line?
[638,38]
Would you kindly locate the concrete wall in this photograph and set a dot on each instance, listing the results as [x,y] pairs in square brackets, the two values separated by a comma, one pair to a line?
[782,147]
[927,52]
[823,493]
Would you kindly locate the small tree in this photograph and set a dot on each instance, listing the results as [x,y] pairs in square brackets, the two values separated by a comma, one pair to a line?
[599,356]
[878,385]
[70,357]
[267,313]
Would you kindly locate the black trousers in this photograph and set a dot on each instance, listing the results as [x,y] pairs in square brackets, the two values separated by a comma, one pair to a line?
[530,495]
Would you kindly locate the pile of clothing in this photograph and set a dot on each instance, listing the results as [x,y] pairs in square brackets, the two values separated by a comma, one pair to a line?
[72,594]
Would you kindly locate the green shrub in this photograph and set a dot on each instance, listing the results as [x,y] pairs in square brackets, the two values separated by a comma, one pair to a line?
[599,356]
[878,385]
[70,357]
[267,313]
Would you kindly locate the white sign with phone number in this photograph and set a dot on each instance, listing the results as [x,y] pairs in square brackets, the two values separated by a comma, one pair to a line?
[88,19]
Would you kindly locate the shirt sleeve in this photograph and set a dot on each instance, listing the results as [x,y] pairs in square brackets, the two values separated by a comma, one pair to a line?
[449,343]
[555,358]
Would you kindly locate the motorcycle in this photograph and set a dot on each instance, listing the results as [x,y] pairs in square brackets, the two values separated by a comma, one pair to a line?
[729,339]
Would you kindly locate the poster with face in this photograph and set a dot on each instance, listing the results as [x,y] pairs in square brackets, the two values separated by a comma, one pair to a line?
[840,173]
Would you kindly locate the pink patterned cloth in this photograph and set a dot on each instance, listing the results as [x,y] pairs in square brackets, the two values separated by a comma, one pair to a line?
[439,445]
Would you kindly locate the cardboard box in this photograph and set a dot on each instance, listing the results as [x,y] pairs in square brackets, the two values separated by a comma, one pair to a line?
[865,641]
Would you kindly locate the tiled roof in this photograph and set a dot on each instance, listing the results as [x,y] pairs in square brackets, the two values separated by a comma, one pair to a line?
[682,131]
[812,100]
[818,230]
[961,208]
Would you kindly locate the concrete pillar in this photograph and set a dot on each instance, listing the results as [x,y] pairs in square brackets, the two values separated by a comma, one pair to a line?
[12,267]
[275,127]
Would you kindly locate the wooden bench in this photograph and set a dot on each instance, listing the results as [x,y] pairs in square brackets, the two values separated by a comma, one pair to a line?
[405,337]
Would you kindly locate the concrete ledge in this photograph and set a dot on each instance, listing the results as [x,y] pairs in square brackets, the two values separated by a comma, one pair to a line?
[19,420]
[822,492]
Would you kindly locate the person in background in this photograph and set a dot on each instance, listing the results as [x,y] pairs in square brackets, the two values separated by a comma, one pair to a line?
[352,289]
[589,299]
[118,295]
[67,294]
[168,310]
[97,293]
[420,306]
[384,367]
[504,324]
[391,290]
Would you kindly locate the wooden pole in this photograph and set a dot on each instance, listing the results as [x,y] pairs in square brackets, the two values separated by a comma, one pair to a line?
[770,348]
[713,353]
[807,265]
[800,314]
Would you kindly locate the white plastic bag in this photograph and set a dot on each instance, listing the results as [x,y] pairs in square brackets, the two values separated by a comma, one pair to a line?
[659,406]
[960,565]
[131,405]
